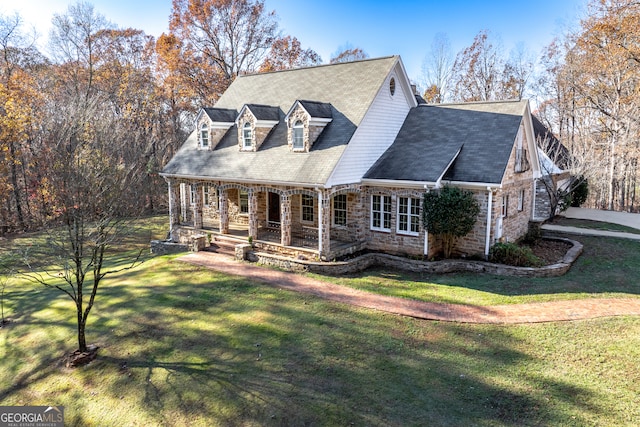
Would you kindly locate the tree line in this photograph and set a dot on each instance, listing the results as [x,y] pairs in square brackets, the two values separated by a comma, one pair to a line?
[107,107]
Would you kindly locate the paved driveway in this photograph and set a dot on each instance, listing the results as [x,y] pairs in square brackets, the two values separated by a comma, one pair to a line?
[622,218]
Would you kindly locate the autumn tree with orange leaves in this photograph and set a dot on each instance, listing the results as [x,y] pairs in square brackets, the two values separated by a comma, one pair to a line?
[285,53]
[211,42]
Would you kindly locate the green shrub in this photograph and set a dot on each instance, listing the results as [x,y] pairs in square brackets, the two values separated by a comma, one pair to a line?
[513,254]
[580,193]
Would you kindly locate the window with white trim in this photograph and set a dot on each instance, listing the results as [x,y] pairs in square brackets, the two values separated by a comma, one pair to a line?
[192,194]
[298,135]
[505,205]
[307,204]
[380,212]
[520,200]
[408,215]
[243,202]
[204,136]
[209,196]
[340,210]
[247,140]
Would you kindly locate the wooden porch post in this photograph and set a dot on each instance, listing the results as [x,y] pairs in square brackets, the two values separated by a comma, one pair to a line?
[285,220]
[223,206]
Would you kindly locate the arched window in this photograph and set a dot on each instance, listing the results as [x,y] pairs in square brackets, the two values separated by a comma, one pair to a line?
[204,136]
[298,135]
[246,136]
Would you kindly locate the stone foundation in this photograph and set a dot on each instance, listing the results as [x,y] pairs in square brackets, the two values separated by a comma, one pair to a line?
[365,261]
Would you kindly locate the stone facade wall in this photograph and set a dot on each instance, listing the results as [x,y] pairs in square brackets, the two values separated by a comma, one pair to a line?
[474,242]
[543,200]
[516,223]
[393,241]
[433,267]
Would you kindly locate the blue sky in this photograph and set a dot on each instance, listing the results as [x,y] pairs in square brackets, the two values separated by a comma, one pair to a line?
[404,27]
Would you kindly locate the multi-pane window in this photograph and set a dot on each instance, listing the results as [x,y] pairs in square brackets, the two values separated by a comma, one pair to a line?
[204,136]
[307,208]
[243,202]
[340,209]
[408,215]
[298,135]
[521,200]
[246,136]
[381,212]
[209,196]
[505,205]
[192,194]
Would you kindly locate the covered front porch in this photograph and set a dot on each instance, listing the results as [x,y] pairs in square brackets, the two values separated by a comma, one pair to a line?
[290,221]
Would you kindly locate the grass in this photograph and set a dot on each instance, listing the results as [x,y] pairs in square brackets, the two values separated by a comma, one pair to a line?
[181,345]
[608,267]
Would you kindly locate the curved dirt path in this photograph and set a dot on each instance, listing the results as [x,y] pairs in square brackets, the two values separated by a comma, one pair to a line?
[507,314]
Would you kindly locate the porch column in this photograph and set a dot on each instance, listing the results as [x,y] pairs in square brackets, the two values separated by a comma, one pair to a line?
[223,206]
[285,220]
[174,216]
[197,206]
[253,214]
[184,197]
[324,224]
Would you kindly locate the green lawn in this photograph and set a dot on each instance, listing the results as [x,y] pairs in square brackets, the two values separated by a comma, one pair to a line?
[607,268]
[181,345]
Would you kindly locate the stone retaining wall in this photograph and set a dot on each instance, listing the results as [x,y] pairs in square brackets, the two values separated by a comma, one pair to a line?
[365,261]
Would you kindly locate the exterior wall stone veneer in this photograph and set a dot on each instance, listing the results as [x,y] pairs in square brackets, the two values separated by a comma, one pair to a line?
[365,261]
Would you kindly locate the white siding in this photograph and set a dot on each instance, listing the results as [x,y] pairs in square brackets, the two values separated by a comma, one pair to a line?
[377,131]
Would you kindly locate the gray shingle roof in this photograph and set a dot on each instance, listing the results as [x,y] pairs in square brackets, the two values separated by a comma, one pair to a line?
[223,115]
[317,109]
[349,88]
[264,112]
[432,134]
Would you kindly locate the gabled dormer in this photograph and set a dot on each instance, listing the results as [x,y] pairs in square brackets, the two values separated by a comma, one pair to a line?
[212,124]
[254,124]
[305,122]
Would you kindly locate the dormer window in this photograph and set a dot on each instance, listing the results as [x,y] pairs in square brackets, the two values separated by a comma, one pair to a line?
[298,135]
[305,122]
[247,141]
[212,125]
[254,123]
[204,136]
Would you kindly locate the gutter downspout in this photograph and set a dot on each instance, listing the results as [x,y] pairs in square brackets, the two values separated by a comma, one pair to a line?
[488,236]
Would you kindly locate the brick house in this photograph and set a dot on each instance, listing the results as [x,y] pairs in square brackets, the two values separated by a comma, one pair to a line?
[328,160]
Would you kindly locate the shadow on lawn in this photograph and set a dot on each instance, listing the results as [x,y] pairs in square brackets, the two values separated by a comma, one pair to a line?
[236,353]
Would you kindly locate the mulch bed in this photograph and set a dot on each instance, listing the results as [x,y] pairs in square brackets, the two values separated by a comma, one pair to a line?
[550,251]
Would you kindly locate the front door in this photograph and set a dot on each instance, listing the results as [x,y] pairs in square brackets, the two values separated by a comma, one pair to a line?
[274,210]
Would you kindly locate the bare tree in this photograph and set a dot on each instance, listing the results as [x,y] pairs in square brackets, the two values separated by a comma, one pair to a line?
[477,70]
[348,53]
[437,67]
[95,185]
[517,73]
[222,38]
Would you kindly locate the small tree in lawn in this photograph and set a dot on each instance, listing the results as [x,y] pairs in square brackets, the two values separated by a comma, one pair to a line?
[449,213]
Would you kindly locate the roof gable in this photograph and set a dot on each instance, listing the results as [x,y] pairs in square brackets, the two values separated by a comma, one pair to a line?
[469,142]
[345,90]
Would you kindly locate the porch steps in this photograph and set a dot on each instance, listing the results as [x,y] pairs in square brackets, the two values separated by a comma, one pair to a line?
[221,245]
